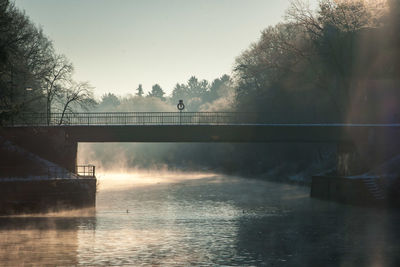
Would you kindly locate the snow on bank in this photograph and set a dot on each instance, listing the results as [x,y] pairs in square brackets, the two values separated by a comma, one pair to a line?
[388,170]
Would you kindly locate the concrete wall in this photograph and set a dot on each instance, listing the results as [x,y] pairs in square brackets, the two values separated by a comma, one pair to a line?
[51,143]
[24,196]
[343,190]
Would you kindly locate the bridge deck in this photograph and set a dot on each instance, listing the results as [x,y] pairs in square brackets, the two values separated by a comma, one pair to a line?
[199,127]
[222,133]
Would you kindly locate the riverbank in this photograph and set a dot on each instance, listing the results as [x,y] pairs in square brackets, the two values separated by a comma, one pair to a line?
[18,196]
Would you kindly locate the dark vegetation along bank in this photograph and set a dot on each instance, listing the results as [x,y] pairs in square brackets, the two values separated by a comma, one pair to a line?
[338,63]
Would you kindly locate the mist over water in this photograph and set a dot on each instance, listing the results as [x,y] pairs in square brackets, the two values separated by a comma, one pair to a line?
[179,205]
[181,219]
[112,180]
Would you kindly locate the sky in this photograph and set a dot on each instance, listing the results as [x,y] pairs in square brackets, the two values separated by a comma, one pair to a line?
[118,44]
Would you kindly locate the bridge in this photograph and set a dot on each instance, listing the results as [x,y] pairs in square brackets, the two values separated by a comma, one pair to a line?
[56,137]
[194,127]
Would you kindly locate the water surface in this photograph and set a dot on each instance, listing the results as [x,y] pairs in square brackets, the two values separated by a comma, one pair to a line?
[203,220]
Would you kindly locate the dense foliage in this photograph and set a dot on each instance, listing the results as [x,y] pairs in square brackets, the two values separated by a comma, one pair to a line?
[312,66]
[198,95]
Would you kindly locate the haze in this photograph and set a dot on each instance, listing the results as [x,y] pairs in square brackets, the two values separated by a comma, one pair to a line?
[115,45]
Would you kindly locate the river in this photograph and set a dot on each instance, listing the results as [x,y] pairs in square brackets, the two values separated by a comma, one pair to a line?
[203,220]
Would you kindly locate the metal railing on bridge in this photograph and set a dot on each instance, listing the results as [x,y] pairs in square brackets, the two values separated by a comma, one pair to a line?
[87,171]
[138,118]
[175,118]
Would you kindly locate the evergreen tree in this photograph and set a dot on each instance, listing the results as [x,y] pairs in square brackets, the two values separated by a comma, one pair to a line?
[157,91]
[139,90]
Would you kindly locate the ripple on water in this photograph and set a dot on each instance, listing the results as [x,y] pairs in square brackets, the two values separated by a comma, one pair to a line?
[206,222]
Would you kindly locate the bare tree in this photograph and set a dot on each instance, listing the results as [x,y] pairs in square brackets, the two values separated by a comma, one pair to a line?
[78,94]
[57,78]
[332,32]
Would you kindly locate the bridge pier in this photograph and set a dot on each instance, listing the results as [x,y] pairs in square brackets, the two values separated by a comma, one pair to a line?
[51,143]
[40,188]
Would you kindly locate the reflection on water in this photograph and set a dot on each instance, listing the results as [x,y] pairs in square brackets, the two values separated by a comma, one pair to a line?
[206,220]
[41,239]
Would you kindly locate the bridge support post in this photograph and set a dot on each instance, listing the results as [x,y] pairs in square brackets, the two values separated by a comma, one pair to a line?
[69,155]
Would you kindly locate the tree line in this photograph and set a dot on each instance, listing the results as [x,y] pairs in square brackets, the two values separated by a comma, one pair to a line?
[338,63]
[198,95]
